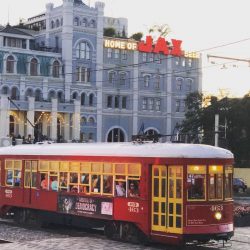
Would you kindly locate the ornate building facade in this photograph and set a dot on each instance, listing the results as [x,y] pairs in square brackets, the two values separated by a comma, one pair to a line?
[60,77]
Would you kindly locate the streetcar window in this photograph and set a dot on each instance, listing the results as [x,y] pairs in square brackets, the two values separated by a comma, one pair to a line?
[120,187]
[133,188]
[84,183]
[73,182]
[54,183]
[95,183]
[196,182]
[9,179]
[108,184]
[215,188]
[13,173]
[44,181]
[63,181]
[228,181]
[30,174]
[171,188]
[90,177]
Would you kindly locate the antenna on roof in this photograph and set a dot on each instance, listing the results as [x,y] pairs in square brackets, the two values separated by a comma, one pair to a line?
[8,14]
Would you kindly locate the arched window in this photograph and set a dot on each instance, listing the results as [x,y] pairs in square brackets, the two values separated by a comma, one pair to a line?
[91,99]
[116,135]
[10,63]
[55,69]
[91,136]
[52,24]
[74,96]
[5,90]
[83,50]
[57,23]
[33,67]
[83,120]
[29,93]
[14,94]
[179,82]
[83,99]
[52,94]
[91,120]
[76,21]
[84,22]
[38,95]
[60,96]
[92,24]
[122,78]
[151,132]
[146,80]
[111,77]
[189,85]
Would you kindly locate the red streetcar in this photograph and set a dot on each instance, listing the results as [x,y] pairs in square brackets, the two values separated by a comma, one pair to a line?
[162,192]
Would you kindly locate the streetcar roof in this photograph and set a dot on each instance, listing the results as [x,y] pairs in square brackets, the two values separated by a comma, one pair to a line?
[168,150]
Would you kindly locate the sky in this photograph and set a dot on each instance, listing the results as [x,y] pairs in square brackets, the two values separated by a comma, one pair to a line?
[215,27]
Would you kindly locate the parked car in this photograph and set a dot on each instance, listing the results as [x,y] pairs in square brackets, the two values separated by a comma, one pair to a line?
[239,185]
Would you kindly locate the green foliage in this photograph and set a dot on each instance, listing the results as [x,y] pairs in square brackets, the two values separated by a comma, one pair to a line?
[137,36]
[234,125]
[192,124]
[109,32]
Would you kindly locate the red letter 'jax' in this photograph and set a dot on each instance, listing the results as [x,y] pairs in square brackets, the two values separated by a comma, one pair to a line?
[176,51]
[146,47]
[161,46]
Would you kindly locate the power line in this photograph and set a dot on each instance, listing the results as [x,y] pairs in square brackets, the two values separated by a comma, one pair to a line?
[162,59]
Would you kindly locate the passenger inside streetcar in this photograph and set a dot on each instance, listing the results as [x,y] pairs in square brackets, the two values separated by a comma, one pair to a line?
[95,183]
[44,181]
[120,190]
[133,189]
[54,184]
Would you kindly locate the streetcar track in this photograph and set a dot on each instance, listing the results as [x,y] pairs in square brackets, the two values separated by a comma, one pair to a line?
[98,233]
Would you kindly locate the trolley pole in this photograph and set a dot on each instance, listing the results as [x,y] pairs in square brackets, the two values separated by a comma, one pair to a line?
[216,130]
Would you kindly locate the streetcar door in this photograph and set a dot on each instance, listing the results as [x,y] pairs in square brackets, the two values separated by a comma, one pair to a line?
[159,199]
[30,180]
[175,199]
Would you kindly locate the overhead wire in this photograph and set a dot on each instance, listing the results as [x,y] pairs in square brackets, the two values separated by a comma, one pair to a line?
[162,59]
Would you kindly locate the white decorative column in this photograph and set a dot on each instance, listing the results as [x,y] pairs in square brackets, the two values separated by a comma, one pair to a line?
[4,116]
[67,44]
[22,88]
[135,83]
[45,88]
[45,125]
[99,66]
[1,41]
[53,128]
[21,123]
[76,120]
[66,126]
[30,116]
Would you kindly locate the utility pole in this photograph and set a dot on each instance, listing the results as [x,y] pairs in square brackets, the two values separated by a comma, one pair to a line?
[216,130]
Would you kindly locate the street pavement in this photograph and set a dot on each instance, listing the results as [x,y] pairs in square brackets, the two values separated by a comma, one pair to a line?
[25,239]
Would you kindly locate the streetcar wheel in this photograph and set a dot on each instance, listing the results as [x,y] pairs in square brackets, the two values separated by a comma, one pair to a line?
[109,230]
[20,216]
[142,238]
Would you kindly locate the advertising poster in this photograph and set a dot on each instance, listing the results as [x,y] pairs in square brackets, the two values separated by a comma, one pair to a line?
[86,206]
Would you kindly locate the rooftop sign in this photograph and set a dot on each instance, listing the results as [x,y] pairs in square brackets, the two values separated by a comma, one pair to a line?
[160,46]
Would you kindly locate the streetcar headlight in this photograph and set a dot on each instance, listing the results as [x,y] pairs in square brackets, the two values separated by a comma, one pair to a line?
[218,215]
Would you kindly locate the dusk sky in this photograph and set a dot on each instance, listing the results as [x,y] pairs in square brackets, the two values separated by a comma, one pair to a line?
[199,24]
